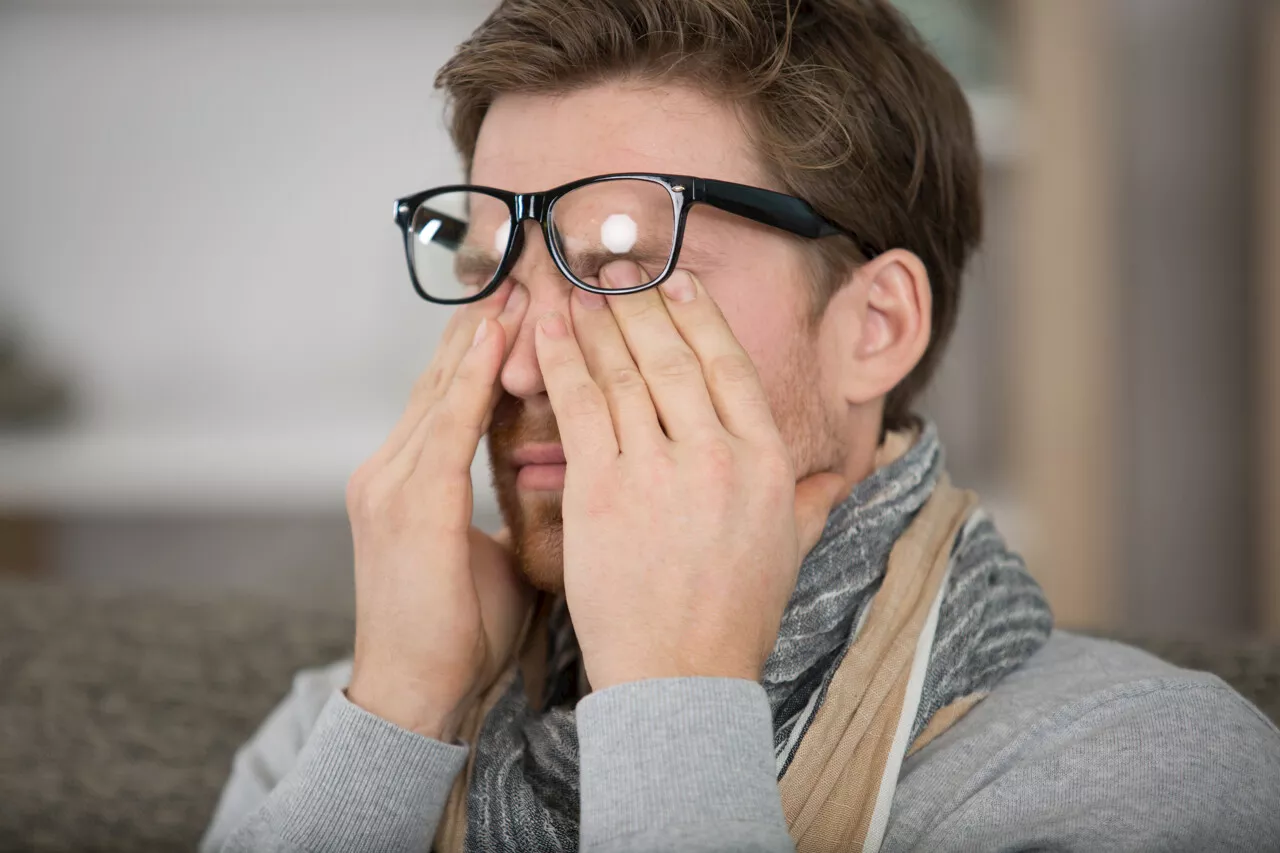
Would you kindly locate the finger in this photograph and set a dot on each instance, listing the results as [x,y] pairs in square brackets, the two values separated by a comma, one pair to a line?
[816,496]
[635,420]
[730,375]
[511,319]
[582,413]
[508,306]
[445,440]
[669,367]
[452,355]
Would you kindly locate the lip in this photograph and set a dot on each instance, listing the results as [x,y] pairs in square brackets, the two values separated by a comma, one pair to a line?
[539,467]
[538,454]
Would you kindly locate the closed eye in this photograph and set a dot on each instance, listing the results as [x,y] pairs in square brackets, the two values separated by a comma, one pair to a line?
[474,267]
[652,258]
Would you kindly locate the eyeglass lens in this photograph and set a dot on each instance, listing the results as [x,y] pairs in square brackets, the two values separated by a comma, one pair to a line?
[457,239]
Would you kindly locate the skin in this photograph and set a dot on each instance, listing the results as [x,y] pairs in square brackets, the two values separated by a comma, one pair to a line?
[711,421]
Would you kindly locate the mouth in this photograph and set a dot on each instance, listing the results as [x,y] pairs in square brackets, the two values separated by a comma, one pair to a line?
[539,467]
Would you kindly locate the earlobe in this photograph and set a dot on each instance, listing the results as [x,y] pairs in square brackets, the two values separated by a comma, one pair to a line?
[893,317]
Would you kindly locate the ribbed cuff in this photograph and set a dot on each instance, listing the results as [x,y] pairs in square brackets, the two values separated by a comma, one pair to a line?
[671,752]
[364,784]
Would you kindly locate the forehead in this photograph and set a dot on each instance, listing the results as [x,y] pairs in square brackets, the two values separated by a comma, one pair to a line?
[532,142]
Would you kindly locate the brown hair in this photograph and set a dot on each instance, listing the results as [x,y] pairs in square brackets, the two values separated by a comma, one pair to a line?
[846,105]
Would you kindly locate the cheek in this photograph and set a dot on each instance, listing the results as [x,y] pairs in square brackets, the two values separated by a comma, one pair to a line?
[765,312]
[769,343]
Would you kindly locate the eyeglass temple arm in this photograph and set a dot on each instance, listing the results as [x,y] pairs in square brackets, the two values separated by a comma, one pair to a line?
[771,208]
[448,232]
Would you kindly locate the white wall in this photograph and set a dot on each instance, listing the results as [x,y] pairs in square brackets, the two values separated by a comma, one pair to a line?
[195,203]
[196,200]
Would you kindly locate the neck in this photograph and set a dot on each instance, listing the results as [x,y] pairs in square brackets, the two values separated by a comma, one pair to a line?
[863,440]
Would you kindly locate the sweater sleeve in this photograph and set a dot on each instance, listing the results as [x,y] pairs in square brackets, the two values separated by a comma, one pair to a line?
[327,775]
[679,764]
[1178,766]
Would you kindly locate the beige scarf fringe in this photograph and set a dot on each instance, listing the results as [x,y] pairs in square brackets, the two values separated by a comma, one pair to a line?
[832,787]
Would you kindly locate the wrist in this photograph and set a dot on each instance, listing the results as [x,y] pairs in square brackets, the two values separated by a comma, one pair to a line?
[420,715]
[604,674]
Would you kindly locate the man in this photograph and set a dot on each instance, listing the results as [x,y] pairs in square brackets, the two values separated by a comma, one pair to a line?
[738,605]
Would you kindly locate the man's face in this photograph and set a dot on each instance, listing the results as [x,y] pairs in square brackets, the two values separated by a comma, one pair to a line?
[759,277]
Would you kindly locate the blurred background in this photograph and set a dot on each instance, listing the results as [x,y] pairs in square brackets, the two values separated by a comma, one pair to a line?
[206,323]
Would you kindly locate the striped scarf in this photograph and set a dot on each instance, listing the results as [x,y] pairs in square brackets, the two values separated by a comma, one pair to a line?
[523,793]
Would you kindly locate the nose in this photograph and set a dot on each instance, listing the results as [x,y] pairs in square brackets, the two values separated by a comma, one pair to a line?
[548,291]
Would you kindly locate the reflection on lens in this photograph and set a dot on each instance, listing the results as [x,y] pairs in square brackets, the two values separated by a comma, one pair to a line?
[603,222]
[457,244]
[618,233]
[429,231]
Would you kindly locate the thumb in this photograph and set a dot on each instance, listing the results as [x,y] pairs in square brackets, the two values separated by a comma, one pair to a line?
[816,496]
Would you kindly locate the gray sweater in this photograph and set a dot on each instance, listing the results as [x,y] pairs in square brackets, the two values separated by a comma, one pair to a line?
[1089,746]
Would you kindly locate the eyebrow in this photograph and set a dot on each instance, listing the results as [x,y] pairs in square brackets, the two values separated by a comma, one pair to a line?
[472,260]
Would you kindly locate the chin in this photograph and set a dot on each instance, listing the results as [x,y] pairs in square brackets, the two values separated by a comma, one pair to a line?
[537,534]
[540,556]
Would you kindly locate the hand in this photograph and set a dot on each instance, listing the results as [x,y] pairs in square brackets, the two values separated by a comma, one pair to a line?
[438,604]
[684,526]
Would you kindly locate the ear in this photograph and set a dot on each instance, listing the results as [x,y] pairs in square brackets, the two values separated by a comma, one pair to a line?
[880,325]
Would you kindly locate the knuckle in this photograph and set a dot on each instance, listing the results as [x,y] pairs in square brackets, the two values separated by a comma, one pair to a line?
[466,373]
[718,455]
[426,387]
[719,459]
[624,379]
[676,364]
[458,386]
[732,369]
[433,378]
[646,311]
[443,422]
[557,366]
[581,401]
[662,467]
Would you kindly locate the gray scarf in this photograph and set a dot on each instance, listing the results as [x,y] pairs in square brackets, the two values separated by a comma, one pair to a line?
[524,787]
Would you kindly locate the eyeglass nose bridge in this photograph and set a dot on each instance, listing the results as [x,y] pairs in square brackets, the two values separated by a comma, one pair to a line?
[533,206]
[530,206]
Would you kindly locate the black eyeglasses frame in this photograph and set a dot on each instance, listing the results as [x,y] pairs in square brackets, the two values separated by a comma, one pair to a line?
[779,210]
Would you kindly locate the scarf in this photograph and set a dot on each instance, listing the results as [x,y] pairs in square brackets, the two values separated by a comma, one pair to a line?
[521,789]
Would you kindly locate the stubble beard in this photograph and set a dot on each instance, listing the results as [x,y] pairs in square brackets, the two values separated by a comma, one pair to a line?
[810,430]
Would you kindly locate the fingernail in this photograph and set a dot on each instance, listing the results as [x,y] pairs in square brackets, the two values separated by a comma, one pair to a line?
[680,287]
[516,301]
[482,332]
[552,324]
[589,299]
[621,275]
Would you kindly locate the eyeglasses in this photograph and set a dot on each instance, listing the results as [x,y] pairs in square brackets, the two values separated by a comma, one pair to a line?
[461,241]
